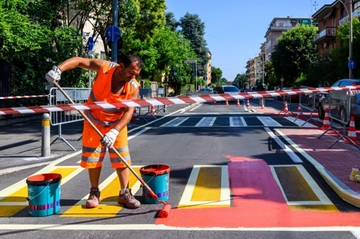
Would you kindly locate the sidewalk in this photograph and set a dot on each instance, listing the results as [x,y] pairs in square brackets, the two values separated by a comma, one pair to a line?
[335,163]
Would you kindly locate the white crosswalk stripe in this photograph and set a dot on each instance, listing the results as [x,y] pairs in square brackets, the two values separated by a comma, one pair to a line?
[238,121]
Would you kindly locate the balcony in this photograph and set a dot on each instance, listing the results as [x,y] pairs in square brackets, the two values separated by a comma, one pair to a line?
[329,32]
[355,13]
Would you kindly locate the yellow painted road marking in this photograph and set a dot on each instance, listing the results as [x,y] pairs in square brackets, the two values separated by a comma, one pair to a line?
[299,189]
[16,201]
[207,186]
[109,196]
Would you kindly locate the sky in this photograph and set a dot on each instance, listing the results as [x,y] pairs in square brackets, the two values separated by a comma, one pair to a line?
[235,29]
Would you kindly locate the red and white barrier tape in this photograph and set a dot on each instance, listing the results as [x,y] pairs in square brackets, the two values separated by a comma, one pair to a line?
[22,97]
[169,100]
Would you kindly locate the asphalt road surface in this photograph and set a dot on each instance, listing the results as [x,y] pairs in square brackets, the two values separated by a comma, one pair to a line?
[224,182]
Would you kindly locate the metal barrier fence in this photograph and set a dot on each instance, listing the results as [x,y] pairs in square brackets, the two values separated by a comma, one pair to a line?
[78,95]
[341,106]
[308,102]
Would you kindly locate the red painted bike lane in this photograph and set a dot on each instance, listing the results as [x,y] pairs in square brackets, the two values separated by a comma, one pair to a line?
[257,202]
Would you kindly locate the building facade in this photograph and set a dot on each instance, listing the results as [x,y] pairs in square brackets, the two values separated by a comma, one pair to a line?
[255,67]
[329,18]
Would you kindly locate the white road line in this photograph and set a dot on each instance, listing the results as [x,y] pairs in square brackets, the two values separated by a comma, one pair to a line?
[138,133]
[175,122]
[300,122]
[268,121]
[286,149]
[356,233]
[162,227]
[237,121]
[21,183]
[206,121]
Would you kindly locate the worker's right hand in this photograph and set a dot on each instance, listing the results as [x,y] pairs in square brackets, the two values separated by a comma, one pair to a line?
[109,138]
[53,75]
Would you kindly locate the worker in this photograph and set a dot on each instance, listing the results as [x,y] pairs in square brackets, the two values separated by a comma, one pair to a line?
[114,82]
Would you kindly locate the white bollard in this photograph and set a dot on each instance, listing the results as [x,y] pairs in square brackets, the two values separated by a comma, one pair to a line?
[45,142]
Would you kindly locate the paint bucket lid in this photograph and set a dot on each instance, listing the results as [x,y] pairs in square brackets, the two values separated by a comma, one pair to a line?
[156,169]
[43,179]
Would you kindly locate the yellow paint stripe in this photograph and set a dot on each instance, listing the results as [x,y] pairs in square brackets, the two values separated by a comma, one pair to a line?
[109,195]
[326,208]
[16,201]
[207,186]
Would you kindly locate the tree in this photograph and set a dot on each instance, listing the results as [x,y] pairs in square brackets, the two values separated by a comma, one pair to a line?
[340,55]
[194,30]
[240,81]
[294,52]
[216,75]
[171,21]
[31,43]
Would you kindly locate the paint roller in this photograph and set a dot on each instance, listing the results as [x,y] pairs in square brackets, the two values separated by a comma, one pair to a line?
[164,212]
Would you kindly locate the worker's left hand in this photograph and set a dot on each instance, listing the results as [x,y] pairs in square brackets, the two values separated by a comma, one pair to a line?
[109,138]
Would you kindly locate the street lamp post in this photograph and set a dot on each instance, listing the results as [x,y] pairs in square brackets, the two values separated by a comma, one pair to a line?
[349,13]
[350,38]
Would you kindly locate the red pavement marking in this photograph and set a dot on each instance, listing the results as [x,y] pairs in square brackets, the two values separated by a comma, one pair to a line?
[257,202]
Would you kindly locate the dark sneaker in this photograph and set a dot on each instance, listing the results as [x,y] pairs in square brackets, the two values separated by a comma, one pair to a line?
[94,198]
[128,200]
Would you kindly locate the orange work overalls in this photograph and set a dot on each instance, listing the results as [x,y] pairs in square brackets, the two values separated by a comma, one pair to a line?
[93,152]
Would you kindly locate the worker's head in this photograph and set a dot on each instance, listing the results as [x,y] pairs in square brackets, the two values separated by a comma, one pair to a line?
[130,66]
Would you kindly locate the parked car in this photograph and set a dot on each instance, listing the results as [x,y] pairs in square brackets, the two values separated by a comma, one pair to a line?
[310,99]
[227,89]
[338,101]
[230,89]
[206,90]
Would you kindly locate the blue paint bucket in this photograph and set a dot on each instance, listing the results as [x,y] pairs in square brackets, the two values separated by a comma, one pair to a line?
[157,178]
[44,194]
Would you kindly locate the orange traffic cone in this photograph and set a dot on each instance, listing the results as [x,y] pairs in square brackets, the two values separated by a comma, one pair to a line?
[226,102]
[286,108]
[352,130]
[326,122]
[299,112]
[248,104]
[238,103]
[152,110]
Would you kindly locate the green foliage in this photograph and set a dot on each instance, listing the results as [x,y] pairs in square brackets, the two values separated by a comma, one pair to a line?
[216,75]
[35,35]
[29,44]
[193,29]
[240,81]
[294,52]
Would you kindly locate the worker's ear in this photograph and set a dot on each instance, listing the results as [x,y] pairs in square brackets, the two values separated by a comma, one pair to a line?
[122,66]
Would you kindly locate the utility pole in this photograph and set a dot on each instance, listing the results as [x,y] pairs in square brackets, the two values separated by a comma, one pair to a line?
[350,38]
[115,23]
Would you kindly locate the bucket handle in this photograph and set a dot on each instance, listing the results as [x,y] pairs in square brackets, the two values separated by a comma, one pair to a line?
[151,179]
[31,198]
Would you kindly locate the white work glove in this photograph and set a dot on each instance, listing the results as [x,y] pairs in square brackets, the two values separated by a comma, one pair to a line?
[109,138]
[53,75]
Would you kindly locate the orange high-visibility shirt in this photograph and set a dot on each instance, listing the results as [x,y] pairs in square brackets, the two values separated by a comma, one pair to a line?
[101,91]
